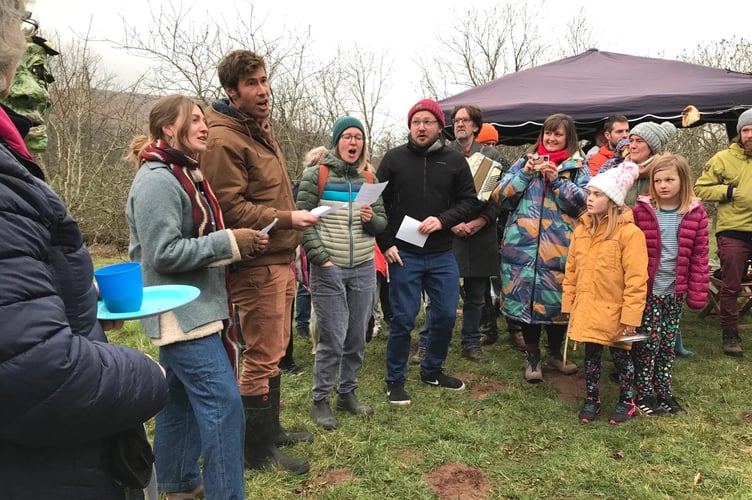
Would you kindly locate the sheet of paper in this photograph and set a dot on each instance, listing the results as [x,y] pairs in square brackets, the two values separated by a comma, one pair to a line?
[369,193]
[268,227]
[408,231]
[324,210]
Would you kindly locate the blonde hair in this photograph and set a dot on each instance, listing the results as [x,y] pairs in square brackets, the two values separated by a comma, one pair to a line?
[611,219]
[173,109]
[686,192]
[12,40]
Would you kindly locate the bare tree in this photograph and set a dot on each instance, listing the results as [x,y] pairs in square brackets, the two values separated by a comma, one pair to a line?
[482,46]
[579,36]
[91,124]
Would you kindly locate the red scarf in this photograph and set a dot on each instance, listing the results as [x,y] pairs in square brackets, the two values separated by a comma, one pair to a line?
[557,156]
[10,134]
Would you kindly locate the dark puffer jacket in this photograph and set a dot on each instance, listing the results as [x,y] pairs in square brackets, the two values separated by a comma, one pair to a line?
[64,390]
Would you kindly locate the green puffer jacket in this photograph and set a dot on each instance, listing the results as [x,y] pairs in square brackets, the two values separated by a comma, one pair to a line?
[340,237]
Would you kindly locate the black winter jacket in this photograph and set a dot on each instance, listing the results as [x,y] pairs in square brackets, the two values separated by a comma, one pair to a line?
[424,182]
[64,390]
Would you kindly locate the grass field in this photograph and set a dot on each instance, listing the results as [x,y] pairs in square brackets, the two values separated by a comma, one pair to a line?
[504,438]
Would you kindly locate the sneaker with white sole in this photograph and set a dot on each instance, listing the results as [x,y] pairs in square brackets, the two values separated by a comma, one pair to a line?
[396,395]
[671,405]
[649,407]
[440,379]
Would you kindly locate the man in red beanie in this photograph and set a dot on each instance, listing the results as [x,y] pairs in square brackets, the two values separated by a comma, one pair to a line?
[430,183]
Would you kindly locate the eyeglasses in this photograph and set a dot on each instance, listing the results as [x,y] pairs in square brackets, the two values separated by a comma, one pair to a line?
[462,120]
[425,123]
[350,137]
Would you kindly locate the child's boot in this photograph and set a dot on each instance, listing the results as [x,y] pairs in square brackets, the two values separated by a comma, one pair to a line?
[679,348]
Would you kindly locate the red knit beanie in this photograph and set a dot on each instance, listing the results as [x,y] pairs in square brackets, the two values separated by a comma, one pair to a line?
[427,105]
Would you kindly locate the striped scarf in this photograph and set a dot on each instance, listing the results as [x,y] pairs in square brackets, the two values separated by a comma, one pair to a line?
[205,211]
[207,215]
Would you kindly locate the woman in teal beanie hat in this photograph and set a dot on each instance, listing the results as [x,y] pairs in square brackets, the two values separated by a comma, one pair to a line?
[340,251]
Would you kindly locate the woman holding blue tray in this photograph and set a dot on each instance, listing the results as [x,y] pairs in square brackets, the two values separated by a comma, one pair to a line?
[177,233]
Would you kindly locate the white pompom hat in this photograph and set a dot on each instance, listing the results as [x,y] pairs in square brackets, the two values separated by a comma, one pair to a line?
[616,181]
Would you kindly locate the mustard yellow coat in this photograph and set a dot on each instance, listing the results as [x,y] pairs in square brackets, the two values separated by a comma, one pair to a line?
[605,282]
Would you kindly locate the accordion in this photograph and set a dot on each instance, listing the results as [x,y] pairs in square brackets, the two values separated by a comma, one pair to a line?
[485,172]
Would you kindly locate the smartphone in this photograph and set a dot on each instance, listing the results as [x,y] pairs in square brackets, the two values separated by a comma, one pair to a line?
[268,227]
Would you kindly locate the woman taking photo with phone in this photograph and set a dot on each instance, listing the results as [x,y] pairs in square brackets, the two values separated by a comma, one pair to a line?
[544,193]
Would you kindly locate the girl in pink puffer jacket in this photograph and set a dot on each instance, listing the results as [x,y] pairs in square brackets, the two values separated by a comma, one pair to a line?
[676,230]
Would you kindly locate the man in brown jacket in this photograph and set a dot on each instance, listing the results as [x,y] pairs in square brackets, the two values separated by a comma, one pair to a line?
[247,171]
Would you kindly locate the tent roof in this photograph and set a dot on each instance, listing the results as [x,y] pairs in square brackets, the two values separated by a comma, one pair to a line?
[593,85]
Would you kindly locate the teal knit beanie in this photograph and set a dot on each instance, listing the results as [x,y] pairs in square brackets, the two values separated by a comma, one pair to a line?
[343,124]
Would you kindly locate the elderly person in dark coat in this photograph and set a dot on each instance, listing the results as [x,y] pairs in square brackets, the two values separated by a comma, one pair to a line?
[66,392]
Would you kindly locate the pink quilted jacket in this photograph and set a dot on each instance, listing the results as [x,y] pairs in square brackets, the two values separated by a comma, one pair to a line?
[692,273]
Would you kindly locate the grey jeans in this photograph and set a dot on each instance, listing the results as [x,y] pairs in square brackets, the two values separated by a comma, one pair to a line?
[343,300]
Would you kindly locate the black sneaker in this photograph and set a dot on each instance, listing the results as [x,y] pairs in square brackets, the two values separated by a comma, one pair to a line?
[396,395]
[649,407]
[669,404]
[590,410]
[439,379]
[622,413]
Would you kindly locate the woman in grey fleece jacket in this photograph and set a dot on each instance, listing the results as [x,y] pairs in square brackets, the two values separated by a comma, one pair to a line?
[177,233]
[343,277]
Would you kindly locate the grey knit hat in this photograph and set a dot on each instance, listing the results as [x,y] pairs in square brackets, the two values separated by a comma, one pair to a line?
[657,136]
[744,120]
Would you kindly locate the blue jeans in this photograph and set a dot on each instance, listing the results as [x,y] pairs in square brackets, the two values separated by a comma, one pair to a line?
[472,309]
[438,275]
[343,299]
[203,417]
[302,307]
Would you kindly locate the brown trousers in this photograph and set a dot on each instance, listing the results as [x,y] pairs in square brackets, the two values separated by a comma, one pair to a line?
[264,296]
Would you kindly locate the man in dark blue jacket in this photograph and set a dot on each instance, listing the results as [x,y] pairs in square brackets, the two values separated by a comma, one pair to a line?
[66,393]
[430,183]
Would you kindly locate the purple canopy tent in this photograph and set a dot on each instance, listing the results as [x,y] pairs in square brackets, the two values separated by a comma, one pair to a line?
[593,85]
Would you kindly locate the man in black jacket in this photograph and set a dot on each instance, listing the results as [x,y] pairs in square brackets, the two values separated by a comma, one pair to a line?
[430,183]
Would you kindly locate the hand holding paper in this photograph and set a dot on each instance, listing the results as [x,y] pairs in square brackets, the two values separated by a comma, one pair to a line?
[408,231]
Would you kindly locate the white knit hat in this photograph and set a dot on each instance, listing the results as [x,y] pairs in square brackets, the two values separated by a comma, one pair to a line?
[616,181]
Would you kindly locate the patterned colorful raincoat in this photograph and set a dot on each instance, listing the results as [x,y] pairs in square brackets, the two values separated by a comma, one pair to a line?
[536,238]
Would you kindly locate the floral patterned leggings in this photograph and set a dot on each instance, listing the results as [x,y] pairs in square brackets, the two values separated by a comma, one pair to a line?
[623,361]
[654,358]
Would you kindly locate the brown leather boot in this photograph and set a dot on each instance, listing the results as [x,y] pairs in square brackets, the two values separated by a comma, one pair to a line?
[732,343]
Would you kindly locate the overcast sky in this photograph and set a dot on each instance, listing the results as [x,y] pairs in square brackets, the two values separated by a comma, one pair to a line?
[656,28]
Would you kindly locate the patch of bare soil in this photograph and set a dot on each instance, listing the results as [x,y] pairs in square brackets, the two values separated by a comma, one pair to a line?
[747,417]
[331,478]
[457,481]
[568,387]
[483,389]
